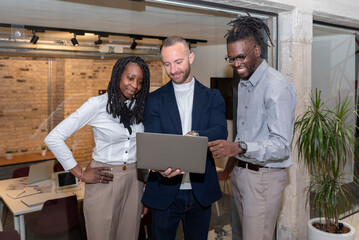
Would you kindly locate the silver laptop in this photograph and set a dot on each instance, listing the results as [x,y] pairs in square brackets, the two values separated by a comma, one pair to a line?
[40,171]
[160,151]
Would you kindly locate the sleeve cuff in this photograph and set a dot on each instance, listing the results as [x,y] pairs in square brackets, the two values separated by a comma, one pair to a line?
[252,147]
[69,164]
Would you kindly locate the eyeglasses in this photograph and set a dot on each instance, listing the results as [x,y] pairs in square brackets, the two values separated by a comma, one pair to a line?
[238,59]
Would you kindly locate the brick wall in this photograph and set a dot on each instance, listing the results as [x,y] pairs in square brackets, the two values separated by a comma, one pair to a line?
[23,104]
[36,94]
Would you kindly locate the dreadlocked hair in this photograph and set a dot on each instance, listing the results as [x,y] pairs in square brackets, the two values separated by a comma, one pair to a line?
[245,27]
[116,104]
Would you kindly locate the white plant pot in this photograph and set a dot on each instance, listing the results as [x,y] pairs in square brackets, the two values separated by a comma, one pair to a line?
[43,152]
[8,156]
[316,234]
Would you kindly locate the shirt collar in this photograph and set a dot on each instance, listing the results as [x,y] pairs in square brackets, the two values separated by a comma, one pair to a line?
[256,76]
[184,86]
[128,101]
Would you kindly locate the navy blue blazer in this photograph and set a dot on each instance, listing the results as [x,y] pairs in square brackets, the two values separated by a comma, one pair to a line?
[208,119]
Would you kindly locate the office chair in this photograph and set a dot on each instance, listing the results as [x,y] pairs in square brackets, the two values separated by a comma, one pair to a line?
[57,217]
[58,167]
[9,235]
[21,172]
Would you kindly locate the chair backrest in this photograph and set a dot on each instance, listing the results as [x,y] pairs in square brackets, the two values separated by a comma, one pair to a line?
[58,216]
[21,172]
[9,235]
[227,170]
[58,167]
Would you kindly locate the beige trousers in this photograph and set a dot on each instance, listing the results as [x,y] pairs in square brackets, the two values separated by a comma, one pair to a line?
[113,211]
[258,198]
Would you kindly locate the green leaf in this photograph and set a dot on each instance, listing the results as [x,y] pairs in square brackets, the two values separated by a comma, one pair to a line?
[326,142]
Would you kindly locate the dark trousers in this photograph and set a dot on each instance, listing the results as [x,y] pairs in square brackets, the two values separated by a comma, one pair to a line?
[195,219]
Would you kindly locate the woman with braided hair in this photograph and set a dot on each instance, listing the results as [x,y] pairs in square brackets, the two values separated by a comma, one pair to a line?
[112,201]
[265,120]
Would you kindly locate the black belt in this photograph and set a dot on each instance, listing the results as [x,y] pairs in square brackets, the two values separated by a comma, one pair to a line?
[248,165]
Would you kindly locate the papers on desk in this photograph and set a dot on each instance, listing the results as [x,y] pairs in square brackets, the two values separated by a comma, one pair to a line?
[41,198]
[15,186]
[21,184]
[20,189]
[36,195]
[15,194]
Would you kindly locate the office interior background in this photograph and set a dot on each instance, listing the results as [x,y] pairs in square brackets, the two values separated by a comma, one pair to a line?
[45,76]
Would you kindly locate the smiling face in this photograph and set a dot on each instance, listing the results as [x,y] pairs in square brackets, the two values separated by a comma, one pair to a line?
[177,61]
[131,80]
[246,68]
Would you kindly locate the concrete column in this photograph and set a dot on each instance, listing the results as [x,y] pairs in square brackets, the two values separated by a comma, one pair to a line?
[295,47]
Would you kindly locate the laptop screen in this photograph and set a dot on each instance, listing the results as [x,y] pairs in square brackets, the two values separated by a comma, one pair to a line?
[40,171]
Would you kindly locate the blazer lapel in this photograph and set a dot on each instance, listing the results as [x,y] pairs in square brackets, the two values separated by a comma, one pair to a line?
[198,104]
[170,101]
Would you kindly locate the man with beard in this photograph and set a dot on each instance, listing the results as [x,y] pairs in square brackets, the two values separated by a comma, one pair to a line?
[184,107]
[265,119]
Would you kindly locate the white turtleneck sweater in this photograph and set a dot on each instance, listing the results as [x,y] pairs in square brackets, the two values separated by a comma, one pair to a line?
[184,97]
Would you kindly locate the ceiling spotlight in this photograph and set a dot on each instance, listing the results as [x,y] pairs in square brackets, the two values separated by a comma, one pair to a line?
[74,40]
[134,44]
[34,37]
[99,41]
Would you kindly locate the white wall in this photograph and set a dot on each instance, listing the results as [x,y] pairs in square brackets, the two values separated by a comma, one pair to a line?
[209,62]
[333,68]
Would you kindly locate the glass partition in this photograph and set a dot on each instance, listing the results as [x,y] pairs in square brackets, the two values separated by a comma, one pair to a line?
[335,68]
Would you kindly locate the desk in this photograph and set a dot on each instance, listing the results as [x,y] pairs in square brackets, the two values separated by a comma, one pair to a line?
[26,158]
[19,209]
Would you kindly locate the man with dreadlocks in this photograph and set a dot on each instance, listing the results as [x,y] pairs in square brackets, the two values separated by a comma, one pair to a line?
[265,119]
[112,202]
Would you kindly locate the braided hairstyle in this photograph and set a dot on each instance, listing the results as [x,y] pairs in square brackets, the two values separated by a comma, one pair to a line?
[245,27]
[116,104]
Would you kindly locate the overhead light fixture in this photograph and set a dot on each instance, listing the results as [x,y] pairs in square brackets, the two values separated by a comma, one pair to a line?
[34,37]
[99,41]
[134,44]
[74,40]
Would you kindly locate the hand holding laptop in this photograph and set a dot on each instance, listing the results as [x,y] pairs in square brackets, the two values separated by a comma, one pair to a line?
[169,173]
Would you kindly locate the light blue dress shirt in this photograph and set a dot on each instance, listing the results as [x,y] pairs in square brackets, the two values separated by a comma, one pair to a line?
[265,117]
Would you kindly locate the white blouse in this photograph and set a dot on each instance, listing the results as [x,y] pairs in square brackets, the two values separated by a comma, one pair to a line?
[113,143]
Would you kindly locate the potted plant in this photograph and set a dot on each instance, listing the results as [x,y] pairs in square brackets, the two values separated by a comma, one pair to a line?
[43,150]
[326,142]
[9,154]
